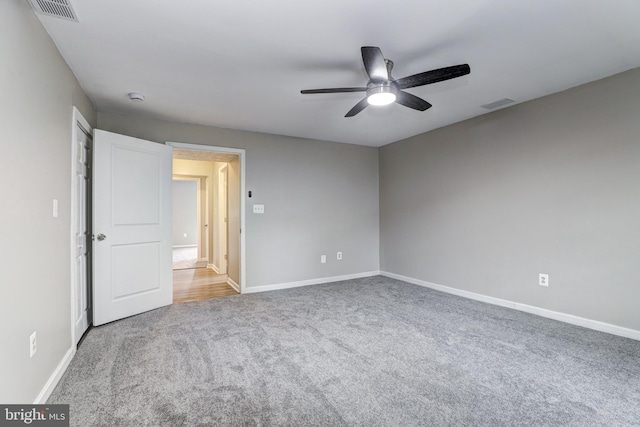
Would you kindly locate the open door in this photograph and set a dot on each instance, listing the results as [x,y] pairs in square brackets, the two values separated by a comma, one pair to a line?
[132,226]
[81,227]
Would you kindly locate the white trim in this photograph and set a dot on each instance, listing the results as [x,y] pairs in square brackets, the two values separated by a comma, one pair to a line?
[76,119]
[53,380]
[233,284]
[543,312]
[214,268]
[319,281]
[221,225]
[449,290]
[241,152]
[184,246]
[580,321]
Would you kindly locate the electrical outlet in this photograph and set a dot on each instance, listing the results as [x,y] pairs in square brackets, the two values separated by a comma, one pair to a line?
[339,256]
[33,345]
[543,279]
[323,259]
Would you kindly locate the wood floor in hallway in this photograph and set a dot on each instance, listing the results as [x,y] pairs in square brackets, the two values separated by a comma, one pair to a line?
[199,284]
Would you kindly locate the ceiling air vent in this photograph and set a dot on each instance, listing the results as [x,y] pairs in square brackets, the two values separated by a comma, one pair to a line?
[58,8]
[499,103]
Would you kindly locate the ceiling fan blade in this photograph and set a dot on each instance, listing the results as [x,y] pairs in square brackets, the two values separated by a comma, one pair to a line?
[411,101]
[374,64]
[335,90]
[357,108]
[433,76]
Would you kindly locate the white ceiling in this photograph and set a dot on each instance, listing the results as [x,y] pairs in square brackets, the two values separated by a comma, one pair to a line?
[241,64]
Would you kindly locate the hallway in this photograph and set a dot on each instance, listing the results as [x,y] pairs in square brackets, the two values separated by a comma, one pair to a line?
[199,284]
[192,281]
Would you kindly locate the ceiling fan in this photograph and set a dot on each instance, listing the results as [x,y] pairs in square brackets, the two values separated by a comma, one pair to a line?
[382,89]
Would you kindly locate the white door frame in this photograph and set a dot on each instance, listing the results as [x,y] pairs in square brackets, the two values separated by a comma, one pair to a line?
[241,156]
[77,120]
[222,223]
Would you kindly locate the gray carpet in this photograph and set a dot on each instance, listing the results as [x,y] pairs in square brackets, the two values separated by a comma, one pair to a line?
[367,352]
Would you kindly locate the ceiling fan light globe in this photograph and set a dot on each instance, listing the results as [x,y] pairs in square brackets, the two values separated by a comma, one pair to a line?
[381,98]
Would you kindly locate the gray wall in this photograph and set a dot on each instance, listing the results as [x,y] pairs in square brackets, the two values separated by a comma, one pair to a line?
[549,186]
[319,197]
[37,94]
[185,213]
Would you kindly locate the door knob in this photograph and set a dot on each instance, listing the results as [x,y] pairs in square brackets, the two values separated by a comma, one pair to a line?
[101,237]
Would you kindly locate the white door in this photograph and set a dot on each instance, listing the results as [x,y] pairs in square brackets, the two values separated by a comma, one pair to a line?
[131,226]
[80,273]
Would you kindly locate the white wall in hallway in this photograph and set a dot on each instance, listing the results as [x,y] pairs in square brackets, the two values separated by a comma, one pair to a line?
[185,213]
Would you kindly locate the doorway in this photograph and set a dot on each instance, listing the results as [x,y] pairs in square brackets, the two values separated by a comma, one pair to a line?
[131,219]
[189,222]
[207,190]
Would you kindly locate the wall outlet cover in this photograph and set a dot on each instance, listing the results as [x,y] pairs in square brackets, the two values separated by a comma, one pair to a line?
[543,279]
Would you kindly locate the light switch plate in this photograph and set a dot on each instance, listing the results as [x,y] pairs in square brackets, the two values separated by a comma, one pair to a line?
[258,209]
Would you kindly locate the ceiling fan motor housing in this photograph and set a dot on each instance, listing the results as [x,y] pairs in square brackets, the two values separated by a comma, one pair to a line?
[381,93]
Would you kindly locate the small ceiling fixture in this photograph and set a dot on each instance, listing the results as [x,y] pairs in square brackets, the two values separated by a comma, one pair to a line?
[135,96]
[498,103]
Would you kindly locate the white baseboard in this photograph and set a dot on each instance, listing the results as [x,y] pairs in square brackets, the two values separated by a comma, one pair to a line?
[55,377]
[233,284]
[214,268]
[543,312]
[249,290]
[184,246]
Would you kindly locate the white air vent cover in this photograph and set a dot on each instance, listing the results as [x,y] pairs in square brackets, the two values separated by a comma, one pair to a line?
[497,104]
[58,8]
